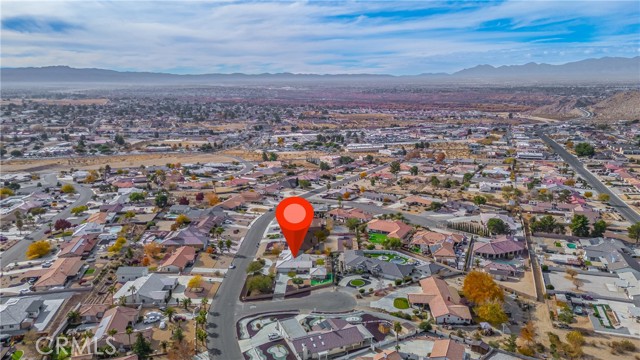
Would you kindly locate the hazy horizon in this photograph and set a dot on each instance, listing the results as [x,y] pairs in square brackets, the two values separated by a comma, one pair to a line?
[396,38]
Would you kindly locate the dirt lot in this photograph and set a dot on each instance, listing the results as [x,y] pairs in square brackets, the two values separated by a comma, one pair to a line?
[524,285]
[600,351]
[221,262]
[208,291]
[116,161]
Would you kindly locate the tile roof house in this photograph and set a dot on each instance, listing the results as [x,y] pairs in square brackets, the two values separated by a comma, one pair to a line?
[180,258]
[502,247]
[353,260]
[19,314]
[92,313]
[395,229]
[414,200]
[151,290]
[342,214]
[326,339]
[446,253]
[62,270]
[447,349]
[119,318]
[499,271]
[386,354]
[79,246]
[442,300]
[190,236]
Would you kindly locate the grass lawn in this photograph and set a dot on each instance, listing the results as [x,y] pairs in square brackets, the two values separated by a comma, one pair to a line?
[17,355]
[90,271]
[401,303]
[377,238]
[322,282]
[357,282]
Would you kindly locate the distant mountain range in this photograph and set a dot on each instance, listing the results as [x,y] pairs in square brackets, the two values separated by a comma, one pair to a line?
[603,70]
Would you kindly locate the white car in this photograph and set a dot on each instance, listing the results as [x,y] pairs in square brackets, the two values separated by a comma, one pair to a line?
[232,266]
[163,325]
[151,319]
[274,336]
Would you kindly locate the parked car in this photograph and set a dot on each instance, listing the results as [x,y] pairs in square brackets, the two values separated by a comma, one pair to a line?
[587,297]
[179,318]
[232,266]
[151,319]
[274,336]
[163,325]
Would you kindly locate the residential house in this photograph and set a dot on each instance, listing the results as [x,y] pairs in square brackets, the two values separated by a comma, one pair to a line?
[326,340]
[442,300]
[19,314]
[447,349]
[130,273]
[391,228]
[341,214]
[79,246]
[92,313]
[499,271]
[181,258]
[62,270]
[502,247]
[119,318]
[355,260]
[150,290]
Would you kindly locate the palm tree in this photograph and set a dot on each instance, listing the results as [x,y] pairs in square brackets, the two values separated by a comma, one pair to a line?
[112,332]
[201,335]
[122,300]
[111,290]
[204,303]
[73,317]
[169,312]
[219,230]
[164,344]
[186,302]
[133,289]
[397,327]
[201,319]
[129,332]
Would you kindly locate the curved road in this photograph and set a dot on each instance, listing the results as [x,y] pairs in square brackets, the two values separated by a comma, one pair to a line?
[623,208]
[17,251]
[226,308]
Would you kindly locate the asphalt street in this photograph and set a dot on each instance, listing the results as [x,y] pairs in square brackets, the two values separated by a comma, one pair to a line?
[226,307]
[595,183]
[17,252]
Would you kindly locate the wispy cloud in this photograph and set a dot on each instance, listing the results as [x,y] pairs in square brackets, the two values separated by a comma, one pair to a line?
[320,37]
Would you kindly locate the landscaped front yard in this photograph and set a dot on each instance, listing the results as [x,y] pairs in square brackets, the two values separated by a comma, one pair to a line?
[401,303]
[328,280]
[389,257]
[377,238]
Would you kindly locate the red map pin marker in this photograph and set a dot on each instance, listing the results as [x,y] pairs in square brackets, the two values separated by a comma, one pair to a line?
[294,215]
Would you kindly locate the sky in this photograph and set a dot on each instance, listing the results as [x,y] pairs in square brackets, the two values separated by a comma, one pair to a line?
[323,37]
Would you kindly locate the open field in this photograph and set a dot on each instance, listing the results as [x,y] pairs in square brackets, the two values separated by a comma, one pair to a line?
[116,161]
